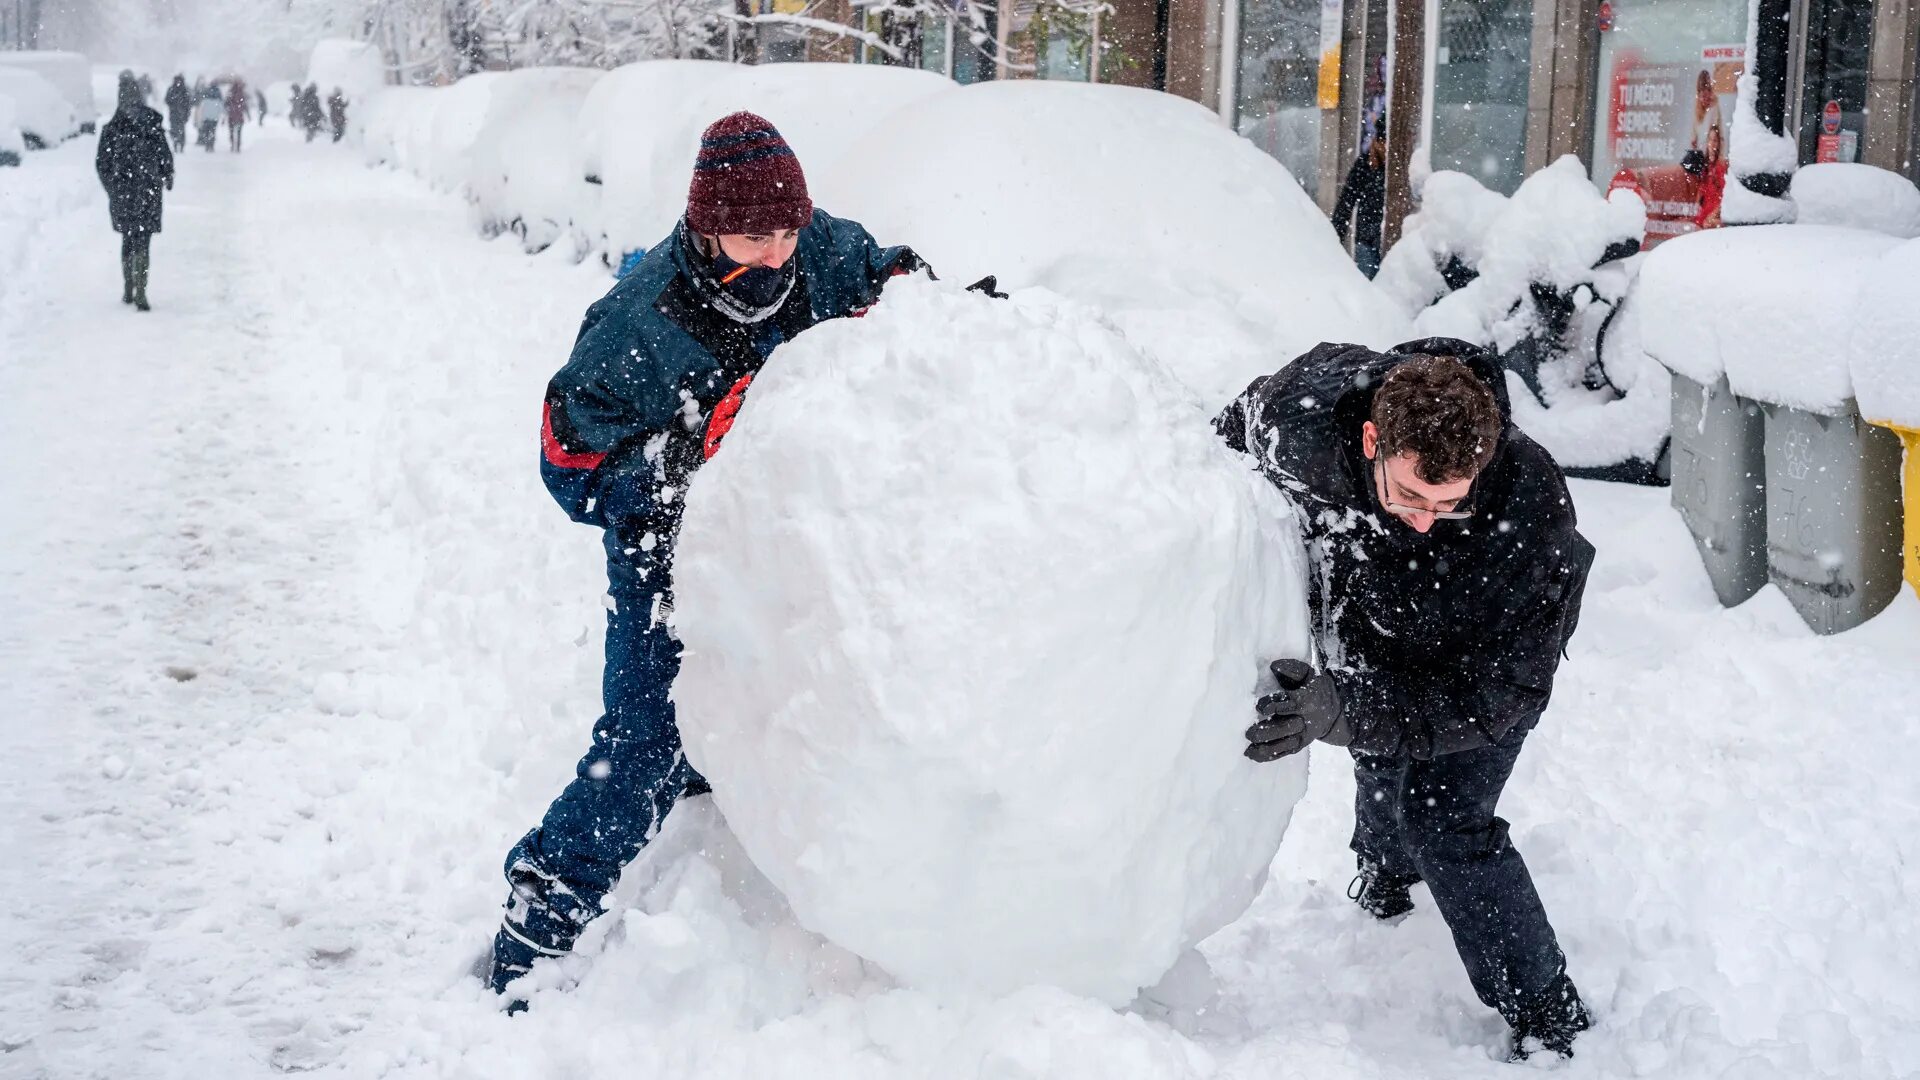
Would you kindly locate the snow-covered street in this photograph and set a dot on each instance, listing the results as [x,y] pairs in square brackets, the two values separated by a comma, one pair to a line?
[294,645]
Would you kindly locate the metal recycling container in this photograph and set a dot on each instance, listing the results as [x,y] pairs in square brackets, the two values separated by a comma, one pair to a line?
[1833,515]
[1720,483]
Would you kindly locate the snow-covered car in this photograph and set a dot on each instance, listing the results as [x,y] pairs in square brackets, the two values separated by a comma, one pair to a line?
[45,118]
[521,176]
[397,125]
[68,72]
[1208,255]
[641,155]
[12,146]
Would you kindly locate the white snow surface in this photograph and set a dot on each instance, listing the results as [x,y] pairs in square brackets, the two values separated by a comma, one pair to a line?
[1883,342]
[1857,196]
[39,109]
[68,72]
[1771,306]
[304,646]
[1197,245]
[1456,217]
[975,607]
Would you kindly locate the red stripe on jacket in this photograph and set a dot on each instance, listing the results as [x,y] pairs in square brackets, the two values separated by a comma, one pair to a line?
[557,455]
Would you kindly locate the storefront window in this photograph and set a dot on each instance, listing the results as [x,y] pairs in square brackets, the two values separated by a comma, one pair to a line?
[936,36]
[1277,106]
[1480,90]
[1668,70]
[1839,43]
[1065,40]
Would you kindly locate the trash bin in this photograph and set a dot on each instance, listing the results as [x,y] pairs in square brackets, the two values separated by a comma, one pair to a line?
[1720,483]
[1833,515]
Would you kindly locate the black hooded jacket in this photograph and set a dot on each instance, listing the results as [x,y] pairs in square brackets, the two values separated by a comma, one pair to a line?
[1440,642]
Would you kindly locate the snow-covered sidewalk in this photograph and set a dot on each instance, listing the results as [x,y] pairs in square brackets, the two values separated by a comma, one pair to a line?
[293,646]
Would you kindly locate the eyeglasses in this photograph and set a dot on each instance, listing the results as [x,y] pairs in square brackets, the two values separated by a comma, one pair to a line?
[1460,512]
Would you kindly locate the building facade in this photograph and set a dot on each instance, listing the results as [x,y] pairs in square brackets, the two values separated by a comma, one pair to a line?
[1633,88]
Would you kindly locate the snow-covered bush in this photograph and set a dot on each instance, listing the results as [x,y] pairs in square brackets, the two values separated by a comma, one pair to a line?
[1200,247]
[69,74]
[1455,218]
[522,176]
[44,117]
[976,608]
[1858,196]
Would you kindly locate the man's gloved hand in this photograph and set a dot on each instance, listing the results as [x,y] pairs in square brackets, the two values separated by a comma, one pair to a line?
[1305,709]
[989,285]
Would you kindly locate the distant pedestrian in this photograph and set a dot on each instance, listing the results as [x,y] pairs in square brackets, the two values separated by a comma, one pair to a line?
[134,165]
[179,109]
[337,113]
[311,118]
[1363,198]
[294,98]
[260,104]
[239,109]
[207,114]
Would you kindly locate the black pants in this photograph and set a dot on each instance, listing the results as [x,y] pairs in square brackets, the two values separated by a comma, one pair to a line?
[134,263]
[1434,821]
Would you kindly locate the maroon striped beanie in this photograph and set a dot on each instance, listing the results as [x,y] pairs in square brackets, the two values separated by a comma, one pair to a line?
[746,180]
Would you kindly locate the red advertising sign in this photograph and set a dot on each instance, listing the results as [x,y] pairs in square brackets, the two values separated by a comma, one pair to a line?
[1830,118]
[1667,136]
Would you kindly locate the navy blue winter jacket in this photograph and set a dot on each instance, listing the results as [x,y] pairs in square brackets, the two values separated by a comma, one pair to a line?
[656,376]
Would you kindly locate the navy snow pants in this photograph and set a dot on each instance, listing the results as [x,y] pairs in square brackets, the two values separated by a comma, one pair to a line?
[622,790]
[1434,821]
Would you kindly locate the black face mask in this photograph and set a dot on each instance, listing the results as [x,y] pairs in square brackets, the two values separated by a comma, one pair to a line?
[755,287]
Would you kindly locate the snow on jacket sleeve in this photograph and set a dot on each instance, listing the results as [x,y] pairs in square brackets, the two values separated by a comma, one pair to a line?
[1430,713]
[603,410]
[854,266]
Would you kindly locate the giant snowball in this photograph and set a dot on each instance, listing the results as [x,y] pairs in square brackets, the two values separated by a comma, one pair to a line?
[975,610]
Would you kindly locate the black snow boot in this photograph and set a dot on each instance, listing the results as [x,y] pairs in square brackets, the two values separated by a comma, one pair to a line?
[1380,894]
[126,278]
[141,260]
[1550,1022]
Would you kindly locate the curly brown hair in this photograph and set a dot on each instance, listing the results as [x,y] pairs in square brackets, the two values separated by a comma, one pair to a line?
[1436,409]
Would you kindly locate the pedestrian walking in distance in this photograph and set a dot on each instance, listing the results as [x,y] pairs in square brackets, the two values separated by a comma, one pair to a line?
[136,167]
[1447,581]
[337,113]
[1363,201]
[207,114]
[239,109]
[179,111]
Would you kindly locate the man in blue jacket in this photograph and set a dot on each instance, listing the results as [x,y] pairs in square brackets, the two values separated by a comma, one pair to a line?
[656,376]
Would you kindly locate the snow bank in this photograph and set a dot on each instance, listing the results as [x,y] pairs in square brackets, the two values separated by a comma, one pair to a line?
[1883,350]
[523,178]
[44,116]
[69,73]
[975,609]
[353,67]
[457,119]
[1771,306]
[1857,196]
[1202,248]
[396,125]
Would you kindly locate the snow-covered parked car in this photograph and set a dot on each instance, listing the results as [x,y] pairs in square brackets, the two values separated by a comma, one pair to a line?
[1208,256]
[397,126]
[641,155]
[522,177]
[12,146]
[45,117]
[68,73]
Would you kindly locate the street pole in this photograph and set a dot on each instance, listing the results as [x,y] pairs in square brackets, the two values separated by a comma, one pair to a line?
[1772,46]
[1403,114]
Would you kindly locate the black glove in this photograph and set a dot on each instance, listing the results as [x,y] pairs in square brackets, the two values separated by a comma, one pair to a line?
[989,285]
[1305,709]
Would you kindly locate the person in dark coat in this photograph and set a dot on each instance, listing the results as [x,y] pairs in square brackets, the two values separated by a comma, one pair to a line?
[311,118]
[179,108]
[135,166]
[294,97]
[1448,580]
[658,371]
[337,113]
[207,113]
[1363,201]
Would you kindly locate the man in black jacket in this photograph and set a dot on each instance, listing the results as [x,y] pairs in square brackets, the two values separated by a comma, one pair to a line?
[1448,578]
[134,165]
